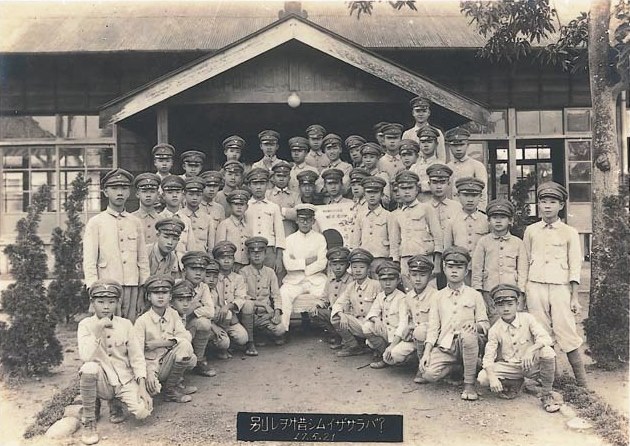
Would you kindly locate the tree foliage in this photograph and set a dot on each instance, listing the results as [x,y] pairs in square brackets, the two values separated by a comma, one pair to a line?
[366,7]
[67,290]
[29,344]
[520,200]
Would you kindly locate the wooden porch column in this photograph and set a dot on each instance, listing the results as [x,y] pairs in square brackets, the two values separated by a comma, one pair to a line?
[162,124]
[512,148]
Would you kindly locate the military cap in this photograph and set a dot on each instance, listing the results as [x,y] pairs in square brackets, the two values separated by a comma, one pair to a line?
[305,209]
[456,255]
[193,157]
[360,255]
[282,166]
[269,135]
[420,263]
[428,133]
[238,196]
[407,145]
[171,226]
[233,166]
[388,269]
[406,176]
[183,290]
[222,248]
[354,141]
[392,129]
[298,142]
[196,259]
[438,170]
[469,184]
[500,206]
[173,182]
[212,266]
[106,288]
[212,177]
[358,174]
[373,183]
[331,139]
[419,101]
[194,184]
[163,150]
[233,142]
[504,291]
[553,190]
[371,148]
[332,174]
[147,180]
[159,282]
[117,177]
[307,177]
[378,127]
[338,253]
[256,243]
[315,130]
[257,174]
[457,136]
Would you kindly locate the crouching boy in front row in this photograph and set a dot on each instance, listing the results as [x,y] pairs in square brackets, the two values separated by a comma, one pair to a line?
[167,348]
[113,362]
[505,362]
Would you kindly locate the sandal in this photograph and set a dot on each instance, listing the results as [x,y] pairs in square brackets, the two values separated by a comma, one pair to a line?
[549,403]
[251,349]
[469,393]
[379,365]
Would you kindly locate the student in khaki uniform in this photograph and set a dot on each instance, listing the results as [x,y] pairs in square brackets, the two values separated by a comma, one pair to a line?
[234,228]
[333,186]
[371,153]
[114,246]
[113,367]
[505,362]
[219,341]
[350,309]
[462,164]
[213,182]
[458,323]
[192,163]
[555,261]
[299,148]
[378,133]
[316,157]
[353,145]
[308,187]
[332,146]
[269,145]
[147,186]
[233,179]
[357,175]
[499,257]
[409,151]
[173,187]
[233,147]
[390,162]
[384,316]
[203,226]
[427,138]
[421,111]
[167,348]
[163,259]
[163,159]
[283,196]
[263,290]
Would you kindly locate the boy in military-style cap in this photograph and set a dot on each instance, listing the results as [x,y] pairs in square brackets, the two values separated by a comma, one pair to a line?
[203,226]
[421,111]
[316,157]
[427,139]
[378,132]
[234,312]
[299,148]
[213,182]
[283,196]
[409,151]
[233,179]
[383,318]
[371,153]
[458,323]
[264,292]
[499,256]
[332,146]
[359,202]
[167,348]
[163,159]
[192,163]
[232,147]
[234,228]
[307,182]
[353,144]
[220,340]
[114,246]
[390,161]
[269,145]
[163,259]
[462,164]
[333,186]
[147,190]
[265,218]
[350,309]
[555,261]
[505,362]
[173,188]
[114,371]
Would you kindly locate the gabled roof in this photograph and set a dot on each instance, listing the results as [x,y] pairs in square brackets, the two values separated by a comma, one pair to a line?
[282,31]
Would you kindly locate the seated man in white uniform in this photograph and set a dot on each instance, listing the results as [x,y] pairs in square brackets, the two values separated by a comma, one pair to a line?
[305,262]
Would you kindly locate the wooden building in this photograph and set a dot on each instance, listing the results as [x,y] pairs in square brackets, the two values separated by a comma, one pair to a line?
[85,88]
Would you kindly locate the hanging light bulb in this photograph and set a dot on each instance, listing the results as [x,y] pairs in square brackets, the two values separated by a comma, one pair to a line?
[294,100]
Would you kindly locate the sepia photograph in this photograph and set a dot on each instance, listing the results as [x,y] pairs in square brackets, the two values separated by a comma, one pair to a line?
[231,222]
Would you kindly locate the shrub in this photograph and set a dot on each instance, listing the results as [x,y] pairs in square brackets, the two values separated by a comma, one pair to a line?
[520,197]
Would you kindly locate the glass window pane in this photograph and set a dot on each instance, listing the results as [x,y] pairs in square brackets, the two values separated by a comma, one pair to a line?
[531,154]
[527,122]
[551,122]
[502,180]
[72,127]
[43,158]
[544,153]
[579,150]
[580,192]
[502,154]
[67,177]
[93,130]
[71,157]
[519,154]
[580,171]
[578,121]
[28,127]
[15,157]
[532,209]
[14,186]
[96,201]
[100,157]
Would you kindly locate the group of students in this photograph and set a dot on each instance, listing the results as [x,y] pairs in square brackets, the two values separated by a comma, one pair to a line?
[217,261]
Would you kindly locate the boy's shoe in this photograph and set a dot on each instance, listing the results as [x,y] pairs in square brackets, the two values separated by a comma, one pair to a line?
[469,393]
[175,395]
[336,346]
[202,369]
[116,411]
[549,403]
[250,349]
[379,364]
[350,351]
[186,390]
[88,432]
[419,379]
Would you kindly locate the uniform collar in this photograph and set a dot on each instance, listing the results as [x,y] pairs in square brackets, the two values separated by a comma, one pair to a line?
[335,164]
[554,225]
[516,323]
[501,237]
[413,204]
[458,291]
[277,191]
[315,152]
[255,201]
[189,212]
[463,160]
[143,213]
[336,199]
[391,157]
[157,253]
[430,160]
[474,215]
[156,318]
[422,296]
[376,211]
[344,279]
[237,221]
[362,286]
[113,213]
